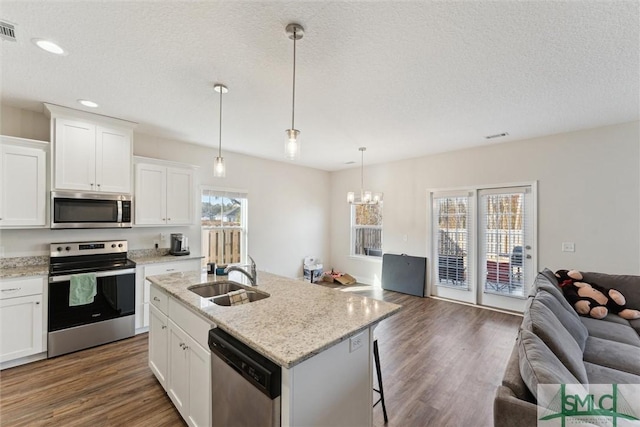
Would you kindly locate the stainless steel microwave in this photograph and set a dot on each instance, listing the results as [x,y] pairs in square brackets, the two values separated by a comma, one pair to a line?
[90,210]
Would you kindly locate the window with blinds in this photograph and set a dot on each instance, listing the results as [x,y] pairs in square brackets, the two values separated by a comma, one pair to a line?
[224,223]
[366,230]
[504,224]
[451,222]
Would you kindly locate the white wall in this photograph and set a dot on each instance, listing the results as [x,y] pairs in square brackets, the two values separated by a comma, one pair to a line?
[588,187]
[288,204]
[23,123]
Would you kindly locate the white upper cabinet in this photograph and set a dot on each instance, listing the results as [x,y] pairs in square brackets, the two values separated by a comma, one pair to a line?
[23,182]
[91,152]
[164,194]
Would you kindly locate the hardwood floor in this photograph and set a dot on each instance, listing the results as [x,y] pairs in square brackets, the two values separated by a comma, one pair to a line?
[104,386]
[441,364]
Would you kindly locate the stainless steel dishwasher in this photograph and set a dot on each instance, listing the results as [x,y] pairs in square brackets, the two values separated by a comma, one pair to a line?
[245,386]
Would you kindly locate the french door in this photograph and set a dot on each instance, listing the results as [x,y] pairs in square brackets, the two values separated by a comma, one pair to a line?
[482,245]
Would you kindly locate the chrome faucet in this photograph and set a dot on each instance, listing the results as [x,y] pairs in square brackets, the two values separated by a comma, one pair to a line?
[253,276]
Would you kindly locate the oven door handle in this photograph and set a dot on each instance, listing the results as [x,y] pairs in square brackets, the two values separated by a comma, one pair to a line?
[66,278]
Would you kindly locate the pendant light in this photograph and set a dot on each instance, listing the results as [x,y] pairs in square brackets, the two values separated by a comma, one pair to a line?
[366,197]
[292,136]
[219,170]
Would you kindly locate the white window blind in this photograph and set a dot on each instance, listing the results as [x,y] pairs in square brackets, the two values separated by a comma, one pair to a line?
[505,226]
[451,215]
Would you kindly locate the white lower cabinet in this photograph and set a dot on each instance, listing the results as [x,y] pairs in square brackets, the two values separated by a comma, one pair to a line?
[22,322]
[179,356]
[158,344]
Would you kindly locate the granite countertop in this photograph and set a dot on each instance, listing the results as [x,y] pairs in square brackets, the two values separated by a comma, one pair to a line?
[24,266]
[297,321]
[24,271]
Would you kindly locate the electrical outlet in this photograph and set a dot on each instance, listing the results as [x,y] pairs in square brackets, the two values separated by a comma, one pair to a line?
[568,247]
[355,342]
[163,237]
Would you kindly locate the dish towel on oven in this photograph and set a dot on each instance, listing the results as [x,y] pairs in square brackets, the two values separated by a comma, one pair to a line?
[82,289]
[238,297]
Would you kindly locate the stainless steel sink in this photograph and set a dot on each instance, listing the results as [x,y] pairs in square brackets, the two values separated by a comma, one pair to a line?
[208,290]
[252,295]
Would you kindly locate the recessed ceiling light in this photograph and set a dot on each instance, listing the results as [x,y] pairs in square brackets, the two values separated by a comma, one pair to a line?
[88,103]
[49,46]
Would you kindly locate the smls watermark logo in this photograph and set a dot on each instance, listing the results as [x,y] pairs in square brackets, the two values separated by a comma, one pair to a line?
[615,405]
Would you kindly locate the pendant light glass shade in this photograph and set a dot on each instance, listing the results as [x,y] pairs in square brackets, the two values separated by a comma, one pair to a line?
[366,197]
[219,170]
[292,144]
[292,136]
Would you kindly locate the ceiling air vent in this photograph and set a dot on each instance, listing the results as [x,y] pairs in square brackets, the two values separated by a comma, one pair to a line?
[7,31]
[497,135]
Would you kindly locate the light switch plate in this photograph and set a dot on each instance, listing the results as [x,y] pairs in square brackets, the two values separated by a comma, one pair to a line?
[568,247]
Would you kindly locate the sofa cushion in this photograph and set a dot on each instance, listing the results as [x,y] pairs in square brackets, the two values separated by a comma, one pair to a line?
[635,324]
[547,281]
[569,319]
[513,379]
[614,318]
[602,375]
[627,284]
[511,411]
[615,355]
[541,321]
[611,331]
[538,364]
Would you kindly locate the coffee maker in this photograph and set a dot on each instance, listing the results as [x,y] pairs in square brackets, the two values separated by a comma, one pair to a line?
[179,244]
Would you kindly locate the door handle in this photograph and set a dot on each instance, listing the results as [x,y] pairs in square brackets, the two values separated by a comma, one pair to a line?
[528,256]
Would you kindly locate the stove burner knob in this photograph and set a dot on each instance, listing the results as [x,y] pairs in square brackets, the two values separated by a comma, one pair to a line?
[119,245]
[59,249]
[68,248]
[113,245]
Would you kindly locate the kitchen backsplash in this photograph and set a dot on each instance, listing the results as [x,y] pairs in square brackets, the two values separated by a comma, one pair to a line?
[148,253]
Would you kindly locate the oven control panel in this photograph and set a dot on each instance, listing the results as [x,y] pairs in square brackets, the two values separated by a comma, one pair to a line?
[88,248]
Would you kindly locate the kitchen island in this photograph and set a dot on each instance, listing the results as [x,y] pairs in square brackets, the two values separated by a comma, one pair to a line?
[322,338]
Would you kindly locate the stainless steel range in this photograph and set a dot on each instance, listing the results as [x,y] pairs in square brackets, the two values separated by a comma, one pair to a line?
[91,295]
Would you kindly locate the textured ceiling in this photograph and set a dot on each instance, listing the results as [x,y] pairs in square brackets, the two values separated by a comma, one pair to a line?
[404,79]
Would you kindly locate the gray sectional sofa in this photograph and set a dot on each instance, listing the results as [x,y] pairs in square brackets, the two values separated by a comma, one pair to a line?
[556,346]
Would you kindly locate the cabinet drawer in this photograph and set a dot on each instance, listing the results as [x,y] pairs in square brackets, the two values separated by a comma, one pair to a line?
[160,299]
[171,267]
[13,288]
[194,325]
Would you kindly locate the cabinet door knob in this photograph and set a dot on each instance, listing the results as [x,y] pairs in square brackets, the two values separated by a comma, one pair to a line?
[98,185]
[164,326]
[186,347]
[91,183]
[156,299]
[168,219]
[37,302]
